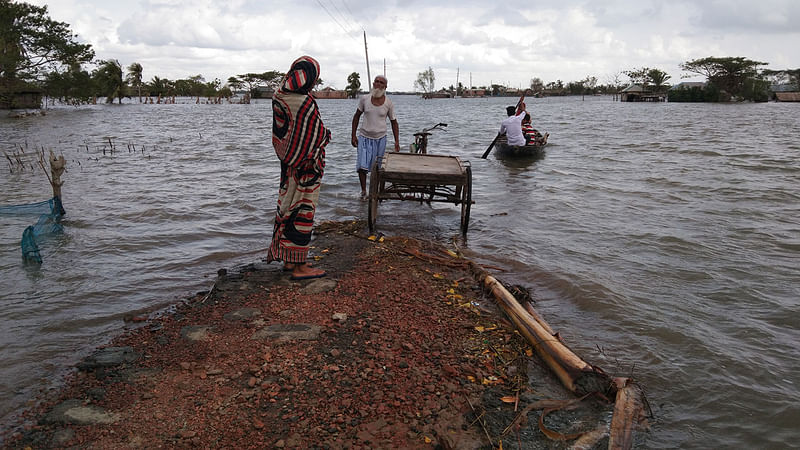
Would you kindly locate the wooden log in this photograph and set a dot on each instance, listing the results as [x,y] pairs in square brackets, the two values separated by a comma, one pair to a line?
[57,166]
[628,411]
[575,374]
[539,318]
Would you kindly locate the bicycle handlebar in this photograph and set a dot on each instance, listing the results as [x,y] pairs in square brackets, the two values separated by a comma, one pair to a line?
[426,130]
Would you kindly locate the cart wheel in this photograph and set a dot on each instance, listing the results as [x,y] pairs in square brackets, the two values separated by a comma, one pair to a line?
[466,202]
[372,210]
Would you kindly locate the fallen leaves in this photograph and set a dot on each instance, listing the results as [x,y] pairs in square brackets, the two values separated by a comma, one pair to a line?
[266,394]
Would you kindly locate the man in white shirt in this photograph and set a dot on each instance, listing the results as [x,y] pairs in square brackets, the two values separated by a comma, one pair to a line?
[371,139]
[512,126]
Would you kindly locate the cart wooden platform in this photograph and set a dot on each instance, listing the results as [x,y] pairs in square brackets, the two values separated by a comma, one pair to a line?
[423,178]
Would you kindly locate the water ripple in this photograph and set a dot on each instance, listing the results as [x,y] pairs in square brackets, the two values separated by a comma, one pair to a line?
[657,238]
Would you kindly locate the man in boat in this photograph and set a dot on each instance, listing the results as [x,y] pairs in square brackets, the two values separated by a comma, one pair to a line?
[371,140]
[512,125]
[299,138]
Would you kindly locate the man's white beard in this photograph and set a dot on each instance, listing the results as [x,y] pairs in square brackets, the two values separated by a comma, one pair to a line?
[377,93]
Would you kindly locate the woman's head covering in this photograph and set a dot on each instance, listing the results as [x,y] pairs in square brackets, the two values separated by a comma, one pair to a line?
[302,76]
[298,134]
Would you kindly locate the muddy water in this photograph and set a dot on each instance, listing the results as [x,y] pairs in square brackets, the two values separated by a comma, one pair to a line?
[662,241]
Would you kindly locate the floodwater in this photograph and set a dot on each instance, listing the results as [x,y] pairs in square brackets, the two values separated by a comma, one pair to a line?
[661,240]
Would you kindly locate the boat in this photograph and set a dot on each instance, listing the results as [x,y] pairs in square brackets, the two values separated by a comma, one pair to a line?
[535,150]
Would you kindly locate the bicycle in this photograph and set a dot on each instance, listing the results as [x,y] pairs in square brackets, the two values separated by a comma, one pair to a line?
[420,144]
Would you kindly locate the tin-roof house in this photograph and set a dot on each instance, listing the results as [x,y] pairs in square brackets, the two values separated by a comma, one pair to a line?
[639,93]
[785,92]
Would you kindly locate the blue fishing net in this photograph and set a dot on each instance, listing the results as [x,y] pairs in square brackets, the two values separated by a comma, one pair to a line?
[44,207]
[50,212]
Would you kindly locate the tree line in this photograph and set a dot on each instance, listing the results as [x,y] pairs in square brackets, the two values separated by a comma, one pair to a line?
[112,81]
[727,79]
[40,54]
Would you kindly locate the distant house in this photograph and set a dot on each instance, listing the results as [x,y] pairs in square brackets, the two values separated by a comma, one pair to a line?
[787,96]
[18,95]
[639,93]
[329,92]
[263,92]
[438,94]
[469,93]
[785,93]
[689,85]
[553,92]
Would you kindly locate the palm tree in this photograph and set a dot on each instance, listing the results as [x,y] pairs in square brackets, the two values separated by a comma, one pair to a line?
[135,78]
[109,78]
[658,78]
[160,86]
[353,85]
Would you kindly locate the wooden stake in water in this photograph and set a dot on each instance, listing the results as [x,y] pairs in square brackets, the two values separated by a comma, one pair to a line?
[57,167]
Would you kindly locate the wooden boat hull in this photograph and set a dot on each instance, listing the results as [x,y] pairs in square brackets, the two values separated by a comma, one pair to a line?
[503,150]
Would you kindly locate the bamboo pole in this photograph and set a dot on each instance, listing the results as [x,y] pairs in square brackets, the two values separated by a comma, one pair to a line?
[366,54]
[628,410]
[540,319]
[575,374]
[578,376]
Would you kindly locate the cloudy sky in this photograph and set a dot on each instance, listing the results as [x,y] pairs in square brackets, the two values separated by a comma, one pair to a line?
[480,40]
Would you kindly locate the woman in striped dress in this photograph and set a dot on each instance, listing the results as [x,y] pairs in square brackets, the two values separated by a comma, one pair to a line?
[299,138]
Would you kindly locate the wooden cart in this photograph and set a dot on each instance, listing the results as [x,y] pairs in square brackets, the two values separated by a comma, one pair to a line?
[423,178]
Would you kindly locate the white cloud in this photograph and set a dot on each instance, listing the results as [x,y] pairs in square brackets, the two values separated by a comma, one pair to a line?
[566,40]
[762,17]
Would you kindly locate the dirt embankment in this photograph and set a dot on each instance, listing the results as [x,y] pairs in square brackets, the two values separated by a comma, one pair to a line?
[387,351]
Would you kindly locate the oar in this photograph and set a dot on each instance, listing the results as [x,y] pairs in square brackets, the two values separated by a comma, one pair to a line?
[491,146]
